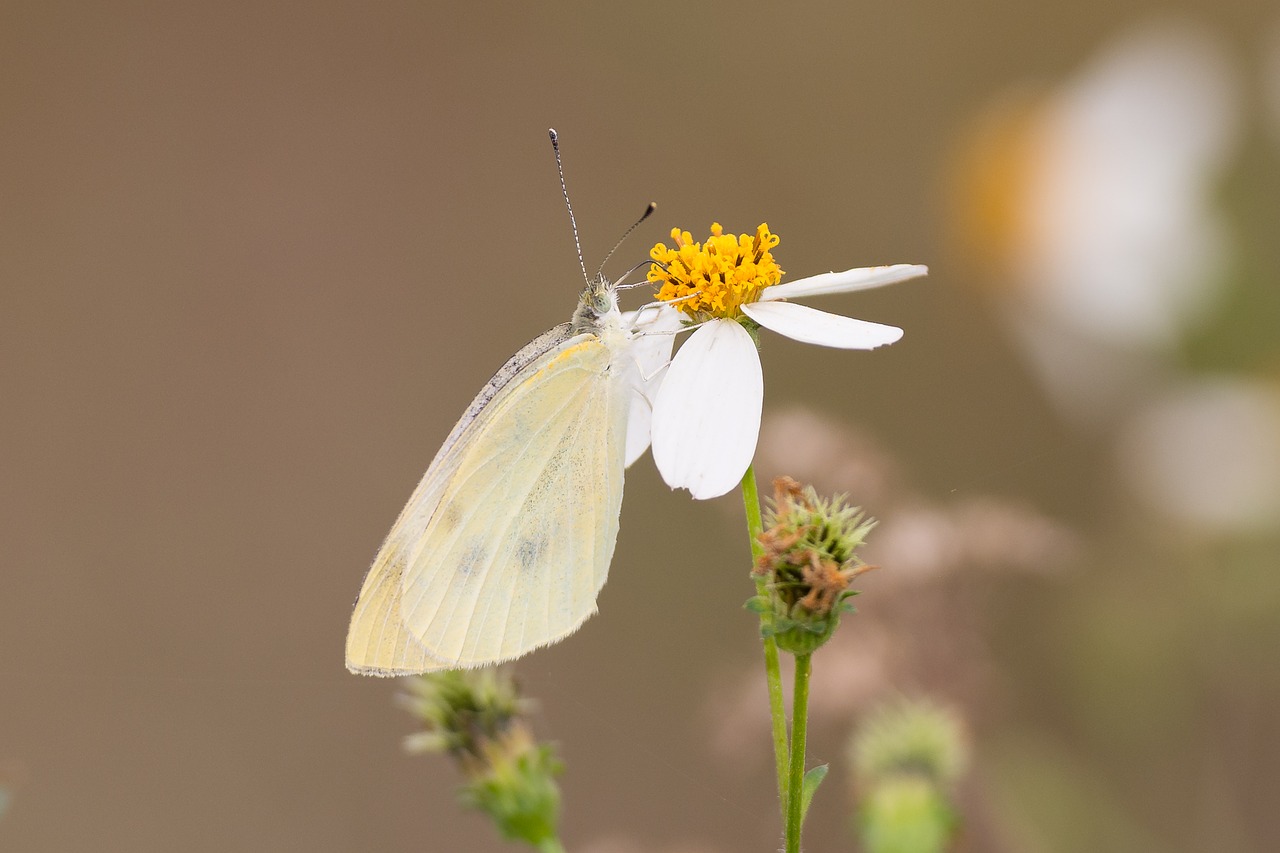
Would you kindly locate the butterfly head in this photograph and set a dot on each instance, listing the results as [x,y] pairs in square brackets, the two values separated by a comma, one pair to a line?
[597,307]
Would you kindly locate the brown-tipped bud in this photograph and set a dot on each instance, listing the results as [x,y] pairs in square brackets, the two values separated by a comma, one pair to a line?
[808,562]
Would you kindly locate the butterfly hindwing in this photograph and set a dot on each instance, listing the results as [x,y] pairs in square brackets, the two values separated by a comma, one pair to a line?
[520,543]
[471,572]
[377,641]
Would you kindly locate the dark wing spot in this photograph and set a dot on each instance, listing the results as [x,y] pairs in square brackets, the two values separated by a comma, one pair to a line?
[450,518]
[530,551]
[475,557]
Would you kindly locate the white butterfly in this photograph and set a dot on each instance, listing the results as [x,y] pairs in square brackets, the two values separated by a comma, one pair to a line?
[506,542]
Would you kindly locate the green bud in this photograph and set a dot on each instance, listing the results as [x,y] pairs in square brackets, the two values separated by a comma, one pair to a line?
[808,562]
[909,736]
[516,787]
[475,716]
[906,757]
[461,709]
[905,815]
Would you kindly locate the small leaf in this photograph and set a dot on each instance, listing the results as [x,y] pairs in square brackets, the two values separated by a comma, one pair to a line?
[757,604]
[809,787]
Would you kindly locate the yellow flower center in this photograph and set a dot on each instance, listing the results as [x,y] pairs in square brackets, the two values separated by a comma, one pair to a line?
[713,279]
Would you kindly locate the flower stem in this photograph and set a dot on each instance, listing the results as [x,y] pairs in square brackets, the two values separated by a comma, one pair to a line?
[773,674]
[550,845]
[799,726]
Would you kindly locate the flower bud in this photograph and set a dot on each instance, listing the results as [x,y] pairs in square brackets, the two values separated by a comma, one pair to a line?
[475,716]
[907,757]
[807,562]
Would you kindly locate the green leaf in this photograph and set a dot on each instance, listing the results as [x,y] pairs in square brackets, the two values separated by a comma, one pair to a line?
[809,787]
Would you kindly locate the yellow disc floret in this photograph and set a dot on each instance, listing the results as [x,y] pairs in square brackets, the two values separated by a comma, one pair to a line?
[712,279]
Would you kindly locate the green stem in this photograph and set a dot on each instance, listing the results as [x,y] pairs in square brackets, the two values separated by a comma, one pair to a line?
[773,674]
[799,726]
[550,845]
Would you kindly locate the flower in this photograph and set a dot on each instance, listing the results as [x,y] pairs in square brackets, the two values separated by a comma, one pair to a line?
[1091,212]
[1206,454]
[706,414]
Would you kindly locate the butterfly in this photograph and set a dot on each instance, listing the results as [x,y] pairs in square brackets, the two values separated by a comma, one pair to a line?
[506,541]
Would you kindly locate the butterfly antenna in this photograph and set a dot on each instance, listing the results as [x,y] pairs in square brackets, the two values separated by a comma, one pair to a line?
[555,146]
[648,211]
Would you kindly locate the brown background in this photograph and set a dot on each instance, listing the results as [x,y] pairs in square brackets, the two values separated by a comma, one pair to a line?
[256,257]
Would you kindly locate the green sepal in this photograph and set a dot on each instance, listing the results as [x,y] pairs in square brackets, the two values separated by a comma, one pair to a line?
[805,636]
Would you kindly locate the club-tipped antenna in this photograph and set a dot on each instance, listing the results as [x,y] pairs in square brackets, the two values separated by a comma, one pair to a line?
[648,211]
[555,146]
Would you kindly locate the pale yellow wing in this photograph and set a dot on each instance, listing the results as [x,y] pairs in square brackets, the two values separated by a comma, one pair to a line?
[377,641]
[508,537]
[516,553]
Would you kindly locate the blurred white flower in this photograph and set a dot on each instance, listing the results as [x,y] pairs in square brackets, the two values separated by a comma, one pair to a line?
[706,416]
[1122,243]
[1096,201]
[1208,455]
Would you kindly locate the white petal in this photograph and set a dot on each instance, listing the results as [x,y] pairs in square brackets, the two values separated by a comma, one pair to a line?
[649,353]
[706,418]
[654,330]
[639,417]
[863,278]
[811,326]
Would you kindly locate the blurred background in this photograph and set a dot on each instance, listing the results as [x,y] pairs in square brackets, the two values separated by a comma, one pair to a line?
[256,258]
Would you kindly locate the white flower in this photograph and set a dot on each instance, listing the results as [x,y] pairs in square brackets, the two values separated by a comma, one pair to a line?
[1096,202]
[1206,453]
[706,414]
[1123,243]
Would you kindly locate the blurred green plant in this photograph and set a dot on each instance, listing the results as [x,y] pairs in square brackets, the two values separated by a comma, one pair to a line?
[476,716]
[907,756]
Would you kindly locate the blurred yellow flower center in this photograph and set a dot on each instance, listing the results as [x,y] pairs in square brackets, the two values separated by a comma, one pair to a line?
[992,189]
[713,279]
